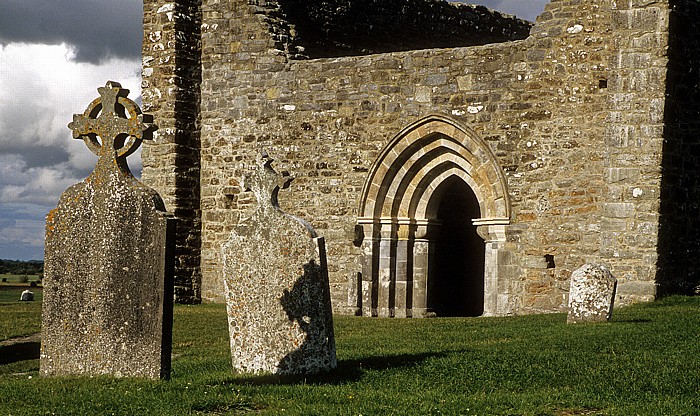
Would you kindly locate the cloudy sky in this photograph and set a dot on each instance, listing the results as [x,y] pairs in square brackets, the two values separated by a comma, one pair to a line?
[53,56]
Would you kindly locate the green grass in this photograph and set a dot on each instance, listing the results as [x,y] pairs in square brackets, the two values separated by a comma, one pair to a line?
[18,278]
[19,318]
[645,362]
[12,294]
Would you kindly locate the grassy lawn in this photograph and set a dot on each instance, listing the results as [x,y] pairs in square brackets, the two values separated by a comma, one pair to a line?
[18,318]
[645,362]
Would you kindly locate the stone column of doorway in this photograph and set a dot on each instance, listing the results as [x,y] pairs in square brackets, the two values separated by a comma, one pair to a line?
[404,264]
[492,230]
[423,248]
[387,271]
[368,245]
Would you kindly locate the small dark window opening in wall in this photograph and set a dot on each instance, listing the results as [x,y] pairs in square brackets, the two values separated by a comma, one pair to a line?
[603,83]
[549,258]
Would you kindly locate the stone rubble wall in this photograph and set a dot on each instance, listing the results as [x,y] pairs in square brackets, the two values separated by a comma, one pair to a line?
[633,138]
[315,29]
[171,163]
[574,114]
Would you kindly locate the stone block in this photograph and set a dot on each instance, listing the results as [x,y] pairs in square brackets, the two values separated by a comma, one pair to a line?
[435,79]
[619,135]
[276,288]
[465,83]
[612,224]
[591,295]
[423,94]
[618,210]
[614,175]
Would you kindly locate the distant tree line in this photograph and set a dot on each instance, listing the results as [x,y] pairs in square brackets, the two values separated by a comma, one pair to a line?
[30,267]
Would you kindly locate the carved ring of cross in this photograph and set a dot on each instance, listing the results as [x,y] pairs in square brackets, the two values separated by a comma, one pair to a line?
[117,120]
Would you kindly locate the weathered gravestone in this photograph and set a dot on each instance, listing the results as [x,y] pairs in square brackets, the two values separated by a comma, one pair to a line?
[276,287]
[591,294]
[108,270]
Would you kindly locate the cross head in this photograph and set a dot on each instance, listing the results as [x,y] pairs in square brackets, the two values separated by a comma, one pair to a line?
[116,120]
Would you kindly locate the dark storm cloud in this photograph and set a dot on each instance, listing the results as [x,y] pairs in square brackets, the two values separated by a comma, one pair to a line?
[96,29]
[40,156]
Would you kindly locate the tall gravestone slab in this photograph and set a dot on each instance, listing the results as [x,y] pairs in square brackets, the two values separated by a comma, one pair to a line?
[276,288]
[107,306]
[591,294]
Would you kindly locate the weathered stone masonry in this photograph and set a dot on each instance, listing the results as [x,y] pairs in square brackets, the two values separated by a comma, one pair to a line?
[561,137]
[171,83]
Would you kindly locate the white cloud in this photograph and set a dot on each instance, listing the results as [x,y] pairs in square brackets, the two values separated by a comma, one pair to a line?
[33,185]
[39,102]
[41,88]
[27,234]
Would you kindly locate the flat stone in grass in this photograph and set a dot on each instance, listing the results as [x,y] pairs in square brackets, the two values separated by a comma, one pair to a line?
[108,294]
[276,288]
[591,295]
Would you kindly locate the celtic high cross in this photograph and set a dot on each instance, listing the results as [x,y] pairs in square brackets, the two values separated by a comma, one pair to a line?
[112,126]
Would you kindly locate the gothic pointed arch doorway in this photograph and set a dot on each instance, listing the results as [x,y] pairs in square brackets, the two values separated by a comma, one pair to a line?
[430,191]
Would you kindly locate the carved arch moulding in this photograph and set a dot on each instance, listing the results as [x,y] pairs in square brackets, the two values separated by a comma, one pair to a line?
[397,216]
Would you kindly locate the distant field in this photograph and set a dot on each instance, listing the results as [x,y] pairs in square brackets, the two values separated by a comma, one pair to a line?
[19,278]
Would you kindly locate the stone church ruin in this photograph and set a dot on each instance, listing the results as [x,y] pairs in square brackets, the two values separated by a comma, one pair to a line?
[457,161]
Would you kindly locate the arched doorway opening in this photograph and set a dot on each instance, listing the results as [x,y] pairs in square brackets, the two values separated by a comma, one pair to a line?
[456,281]
[433,178]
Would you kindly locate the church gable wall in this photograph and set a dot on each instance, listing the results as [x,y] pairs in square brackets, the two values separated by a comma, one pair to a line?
[578,139]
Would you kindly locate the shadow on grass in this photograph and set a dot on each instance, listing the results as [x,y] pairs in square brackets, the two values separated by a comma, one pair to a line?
[20,351]
[347,371]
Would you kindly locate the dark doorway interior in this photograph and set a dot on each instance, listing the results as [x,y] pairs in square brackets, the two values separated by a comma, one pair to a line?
[456,283]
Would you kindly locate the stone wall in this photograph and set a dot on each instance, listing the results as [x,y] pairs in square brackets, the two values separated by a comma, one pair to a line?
[574,115]
[633,140]
[336,28]
[171,163]
[254,96]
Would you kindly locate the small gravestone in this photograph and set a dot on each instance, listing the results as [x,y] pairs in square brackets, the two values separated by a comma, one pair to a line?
[107,307]
[276,287]
[591,294]
[26,296]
